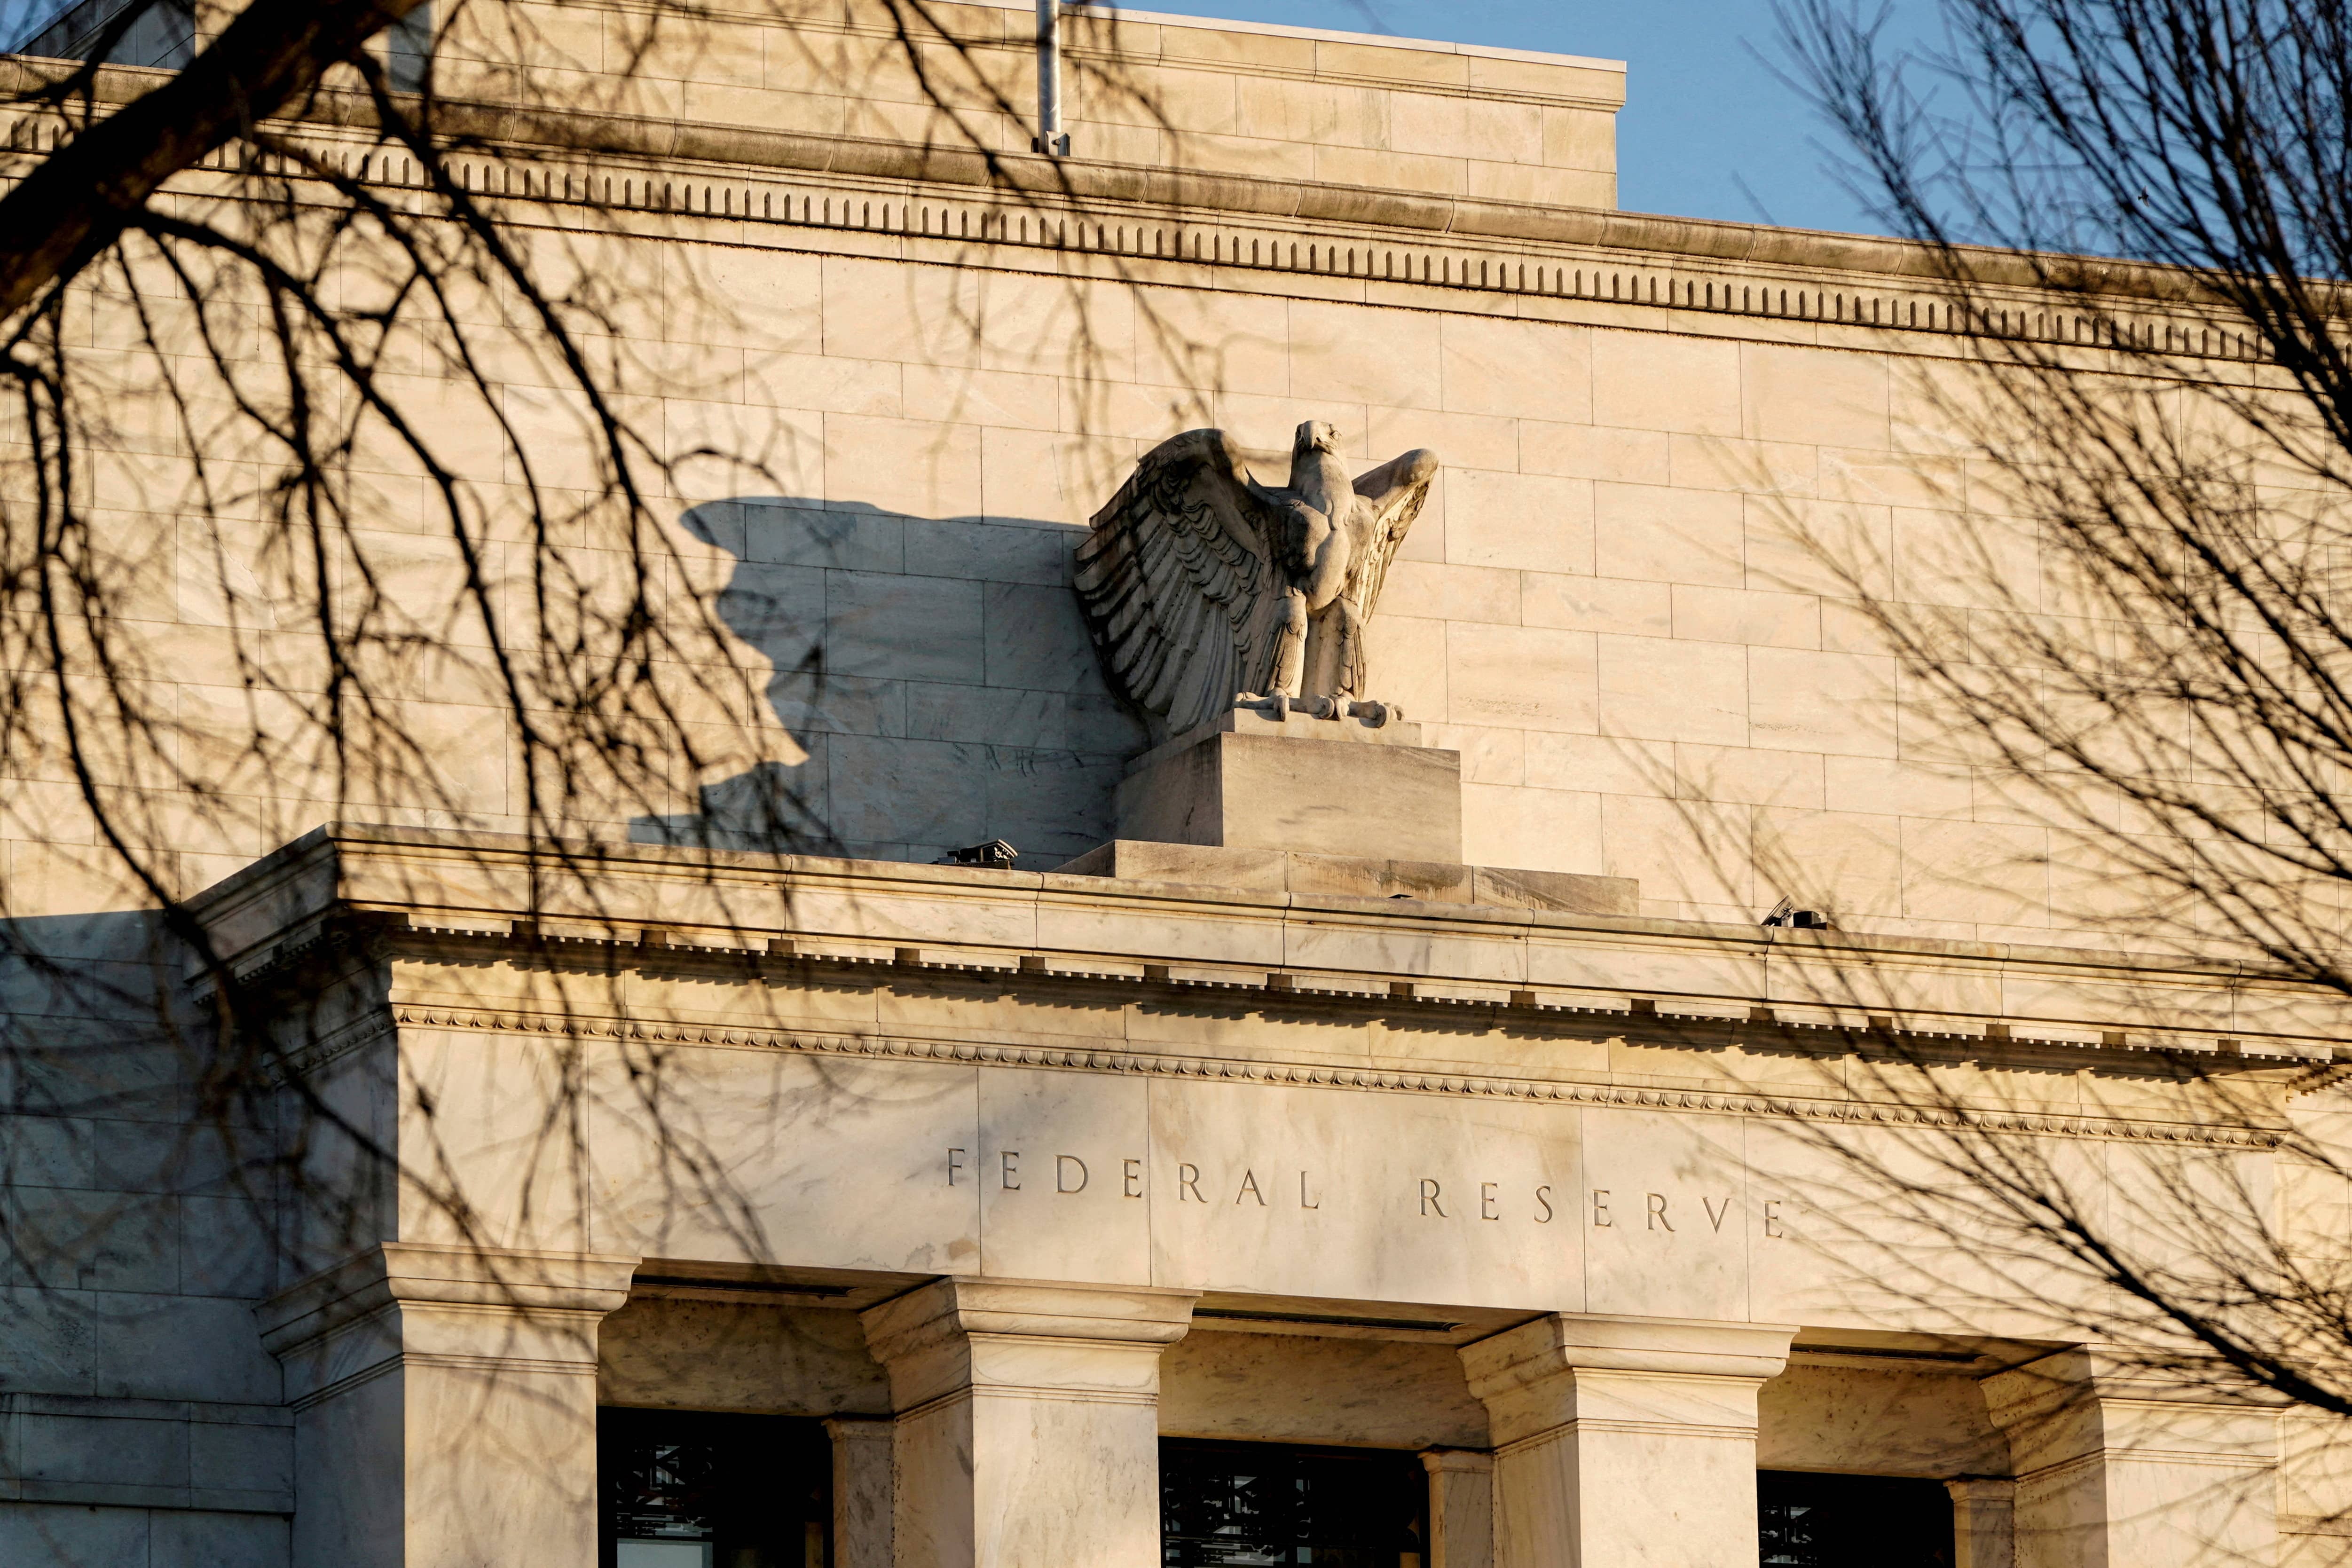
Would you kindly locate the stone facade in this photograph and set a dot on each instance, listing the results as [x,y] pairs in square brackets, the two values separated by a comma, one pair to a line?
[1613,606]
[1490,1131]
[1025,1158]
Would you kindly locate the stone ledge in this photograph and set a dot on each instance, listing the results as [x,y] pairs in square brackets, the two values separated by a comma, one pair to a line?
[433,887]
[1289,871]
[179,1455]
[175,1500]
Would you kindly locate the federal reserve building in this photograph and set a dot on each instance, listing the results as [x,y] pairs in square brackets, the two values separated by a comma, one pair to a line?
[921,785]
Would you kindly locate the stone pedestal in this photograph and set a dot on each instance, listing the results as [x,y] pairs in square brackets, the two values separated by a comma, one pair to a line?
[2119,1467]
[1027,1427]
[1337,806]
[1624,1442]
[446,1406]
[1319,786]
[1460,1507]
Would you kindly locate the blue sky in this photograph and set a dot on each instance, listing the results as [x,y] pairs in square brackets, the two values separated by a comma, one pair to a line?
[1706,131]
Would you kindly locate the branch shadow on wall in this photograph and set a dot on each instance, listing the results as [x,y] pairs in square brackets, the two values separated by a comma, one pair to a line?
[939,673]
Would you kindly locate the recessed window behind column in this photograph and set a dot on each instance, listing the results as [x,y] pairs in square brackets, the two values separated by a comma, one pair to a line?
[1251,1505]
[682,1489]
[1810,1521]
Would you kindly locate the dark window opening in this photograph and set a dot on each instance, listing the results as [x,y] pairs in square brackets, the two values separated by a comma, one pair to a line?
[1807,1521]
[1251,1505]
[682,1489]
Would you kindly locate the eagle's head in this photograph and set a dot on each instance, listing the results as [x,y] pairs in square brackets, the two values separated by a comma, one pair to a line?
[1315,436]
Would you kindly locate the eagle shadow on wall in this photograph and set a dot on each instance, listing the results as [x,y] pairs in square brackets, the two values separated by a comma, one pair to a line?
[950,686]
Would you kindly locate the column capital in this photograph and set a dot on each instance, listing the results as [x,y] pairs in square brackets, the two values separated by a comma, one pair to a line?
[2120,1464]
[1988,1490]
[1028,1425]
[346,1321]
[404,1271]
[961,1304]
[445,1402]
[2087,1398]
[1527,1375]
[965,1333]
[1588,1412]
[858,1428]
[2102,1373]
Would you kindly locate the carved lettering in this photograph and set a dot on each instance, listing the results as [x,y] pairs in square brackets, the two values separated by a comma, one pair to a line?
[1071,1174]
[954,1165]
[1011,1169]
[1062,1164]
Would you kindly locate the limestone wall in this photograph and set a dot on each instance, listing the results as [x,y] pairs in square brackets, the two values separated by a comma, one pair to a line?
[1141,89]
[1610,607]
[1605,607]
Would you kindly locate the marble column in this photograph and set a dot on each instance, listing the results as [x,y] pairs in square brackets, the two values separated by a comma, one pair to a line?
[1460,1507]
[445,1404]
[1984,1522]
[1624,1442]
[861,1490]
[1027,1428]
[2121,1467]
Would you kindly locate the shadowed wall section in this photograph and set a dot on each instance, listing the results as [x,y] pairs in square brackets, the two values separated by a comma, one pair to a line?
[938,675]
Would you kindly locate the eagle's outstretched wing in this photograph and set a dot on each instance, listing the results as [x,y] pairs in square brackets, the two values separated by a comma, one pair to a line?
[1395,491]
[1178,582]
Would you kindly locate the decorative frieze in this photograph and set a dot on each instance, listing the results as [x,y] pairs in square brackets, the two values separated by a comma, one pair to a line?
[1156,220]
[1181,1065]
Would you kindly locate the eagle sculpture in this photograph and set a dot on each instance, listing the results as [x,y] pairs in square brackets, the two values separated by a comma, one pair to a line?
[1204,588]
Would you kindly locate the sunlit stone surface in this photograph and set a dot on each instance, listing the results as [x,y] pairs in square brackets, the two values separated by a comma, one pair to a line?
[1411,1079]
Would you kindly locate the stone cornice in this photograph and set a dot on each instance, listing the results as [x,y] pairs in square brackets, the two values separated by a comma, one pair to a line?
[1657,1027]
[1158,222]
[628,905]
[419,899]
